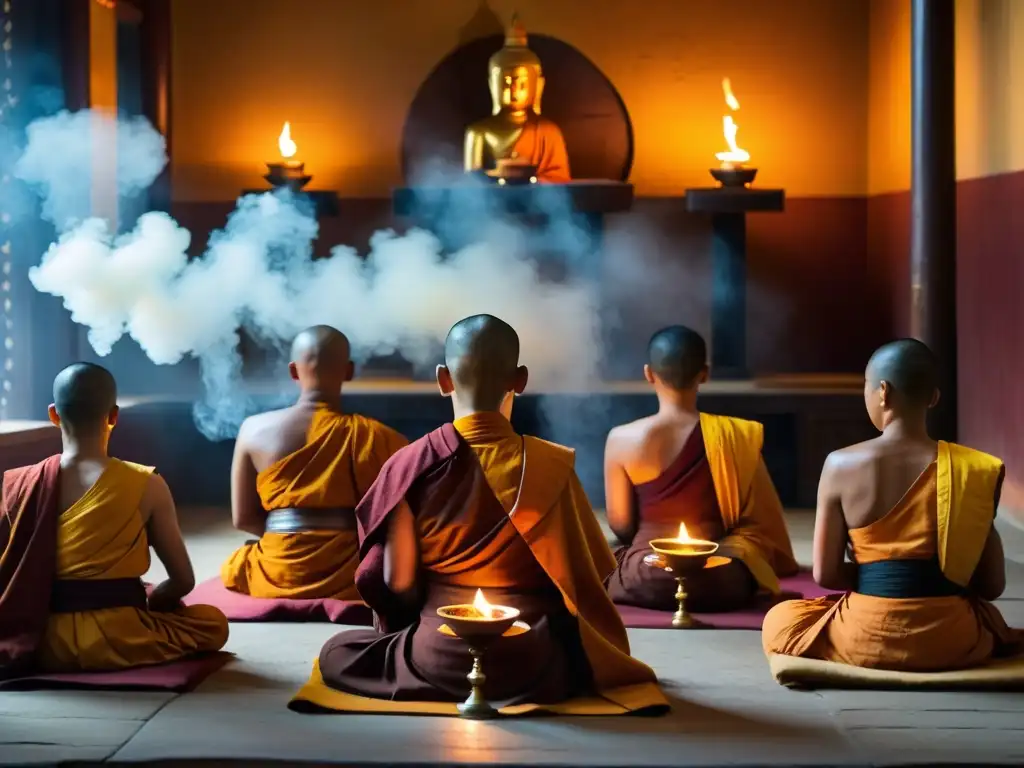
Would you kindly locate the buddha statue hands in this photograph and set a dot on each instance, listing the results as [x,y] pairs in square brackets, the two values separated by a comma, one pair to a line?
[515,140]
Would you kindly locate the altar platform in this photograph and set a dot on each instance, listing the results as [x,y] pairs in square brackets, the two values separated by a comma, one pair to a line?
[727,710]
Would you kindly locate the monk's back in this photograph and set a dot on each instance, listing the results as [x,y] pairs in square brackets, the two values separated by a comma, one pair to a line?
[876,474]
[77,478]
[313,464]
[276,434]
[653,443]
[99,618]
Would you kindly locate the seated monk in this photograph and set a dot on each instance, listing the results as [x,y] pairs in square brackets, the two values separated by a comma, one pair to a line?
[473,505]
[75,532]
[916,517]
[706,472]
[296,478]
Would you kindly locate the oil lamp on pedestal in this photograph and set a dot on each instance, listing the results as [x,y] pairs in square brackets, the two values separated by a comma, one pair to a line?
[732,172]
[289,173]
[683,556]
[479,625]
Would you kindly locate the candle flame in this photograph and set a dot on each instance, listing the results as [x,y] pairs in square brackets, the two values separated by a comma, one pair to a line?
[734,156]
[481,604]
[684,535]
[284,142]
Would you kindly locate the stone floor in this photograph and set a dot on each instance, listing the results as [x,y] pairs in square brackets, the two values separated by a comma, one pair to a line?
[728,711]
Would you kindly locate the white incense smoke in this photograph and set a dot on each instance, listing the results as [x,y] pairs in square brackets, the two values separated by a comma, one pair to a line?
[67,153]
[258,274]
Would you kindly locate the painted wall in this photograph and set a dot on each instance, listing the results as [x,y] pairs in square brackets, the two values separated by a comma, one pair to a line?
[345,73]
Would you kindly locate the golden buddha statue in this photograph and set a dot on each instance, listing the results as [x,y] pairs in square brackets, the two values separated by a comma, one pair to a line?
[516,136]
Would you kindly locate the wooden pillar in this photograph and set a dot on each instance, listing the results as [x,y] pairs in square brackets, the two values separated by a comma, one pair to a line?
[933,196]
[156,87]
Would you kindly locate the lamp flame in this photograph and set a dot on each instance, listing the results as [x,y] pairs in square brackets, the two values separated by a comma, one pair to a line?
[684,535]
[730,99]
[481,604]
[284,142]
[734,156]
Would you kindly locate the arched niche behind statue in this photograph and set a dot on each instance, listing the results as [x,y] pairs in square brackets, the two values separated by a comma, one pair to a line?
[577,96]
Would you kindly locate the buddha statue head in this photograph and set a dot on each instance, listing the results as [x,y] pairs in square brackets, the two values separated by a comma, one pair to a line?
[516,81]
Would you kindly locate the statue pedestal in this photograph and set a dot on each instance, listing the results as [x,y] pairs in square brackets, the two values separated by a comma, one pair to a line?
[459,215]
[729,207]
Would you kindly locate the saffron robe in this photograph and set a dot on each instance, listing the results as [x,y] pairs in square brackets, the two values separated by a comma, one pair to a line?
[541,144]
[101,537]
[719,487]
[946,516]
[340,460]
[546,556]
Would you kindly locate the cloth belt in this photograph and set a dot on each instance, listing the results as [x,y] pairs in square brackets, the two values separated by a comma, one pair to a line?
[77,595]
[303,520]
[905,579]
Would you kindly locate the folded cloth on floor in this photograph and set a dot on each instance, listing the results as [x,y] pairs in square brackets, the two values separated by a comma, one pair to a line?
[795,672]
[176,676]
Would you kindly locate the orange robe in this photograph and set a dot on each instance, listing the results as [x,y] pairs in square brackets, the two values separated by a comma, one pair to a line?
[528,537]
[103,536]
[542,144]
[943,521]
[337,465]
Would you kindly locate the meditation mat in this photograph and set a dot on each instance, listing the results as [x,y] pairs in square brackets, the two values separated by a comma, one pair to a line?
[175,676]
[793,588]
[239,607]
[794,672]
[316,697]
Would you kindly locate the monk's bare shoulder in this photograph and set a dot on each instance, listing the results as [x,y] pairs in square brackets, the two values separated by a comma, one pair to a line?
[256,428]
[851,459]
[628,439]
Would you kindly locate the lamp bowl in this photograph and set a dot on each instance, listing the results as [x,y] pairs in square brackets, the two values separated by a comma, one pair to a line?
[734,177]
[466,621]
[684,557]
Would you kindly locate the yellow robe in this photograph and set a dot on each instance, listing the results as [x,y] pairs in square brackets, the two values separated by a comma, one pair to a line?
[947,513]
[750,507]
[337,465]
[102,536]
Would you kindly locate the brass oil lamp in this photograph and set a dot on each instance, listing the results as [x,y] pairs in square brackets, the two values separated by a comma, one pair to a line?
[479,624]
[289,173]
[683,557]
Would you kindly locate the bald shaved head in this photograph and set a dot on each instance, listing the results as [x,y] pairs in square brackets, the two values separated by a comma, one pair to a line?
[909,367]
[321,358]
[84,397]
[482,354]
[677,355]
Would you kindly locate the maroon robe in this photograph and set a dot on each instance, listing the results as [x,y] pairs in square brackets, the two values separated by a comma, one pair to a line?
[683,493]
[28,560]
[466,542]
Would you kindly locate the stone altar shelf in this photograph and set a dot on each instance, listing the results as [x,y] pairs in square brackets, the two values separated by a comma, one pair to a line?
[729,207]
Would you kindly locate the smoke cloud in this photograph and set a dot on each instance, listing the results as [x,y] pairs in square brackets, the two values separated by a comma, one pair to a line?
[67,153]
[258,275]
